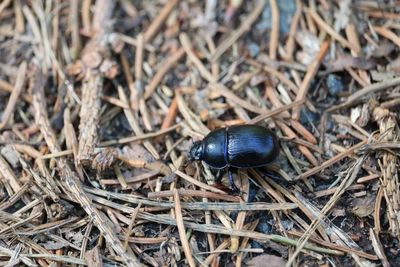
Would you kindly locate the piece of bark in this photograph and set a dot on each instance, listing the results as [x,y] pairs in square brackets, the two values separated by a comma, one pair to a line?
[95,67]
[388,163]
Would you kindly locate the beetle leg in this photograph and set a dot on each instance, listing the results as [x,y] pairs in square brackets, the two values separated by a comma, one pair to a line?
[271,175]
[231,183]
[218,174]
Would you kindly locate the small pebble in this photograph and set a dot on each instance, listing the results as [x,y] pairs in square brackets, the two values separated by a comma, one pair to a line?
[306,116]
[329,123]
[254,49]
[334,84]
[287,8]
[9,153]
[288,225]
[263,227]
[255,244]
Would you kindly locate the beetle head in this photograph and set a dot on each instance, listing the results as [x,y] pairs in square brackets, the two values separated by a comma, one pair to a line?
[196,151]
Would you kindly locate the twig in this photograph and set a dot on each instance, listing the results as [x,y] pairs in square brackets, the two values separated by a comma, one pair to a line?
[187,46]
[274,112]
[89,117]
[388,130]
[181,229]
[74,25]
[135,124]
[360,95]
[331,161]
[290,42]
[5,86]
[198,183]
[157,22]
[331,31]
[304,150]
[377,245]
[12,101]
[236,34]
[87,27]
[221,89]
[194,193]
[311,71]
[282,78]
[274,36]
[337,247]
[135,138]
[130,40]
[388,34]
[164,68]
[7,174]
[92,88]
[4,4]
[131,224]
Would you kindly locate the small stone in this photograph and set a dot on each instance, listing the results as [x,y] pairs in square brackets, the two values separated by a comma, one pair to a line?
[255,244]
[254,49]
[287,8]
[263,227]
[307,117]
[10,155]
[288,225]
[334,84]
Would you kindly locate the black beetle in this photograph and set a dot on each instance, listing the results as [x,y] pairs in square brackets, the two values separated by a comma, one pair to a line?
[242,146]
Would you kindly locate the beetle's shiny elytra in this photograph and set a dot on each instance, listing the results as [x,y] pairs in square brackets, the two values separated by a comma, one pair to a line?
[243,146]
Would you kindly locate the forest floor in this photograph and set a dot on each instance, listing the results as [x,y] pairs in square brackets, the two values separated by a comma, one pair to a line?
[100,102]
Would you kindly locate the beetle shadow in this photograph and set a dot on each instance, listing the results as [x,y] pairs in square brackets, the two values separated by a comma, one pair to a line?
[274,176]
